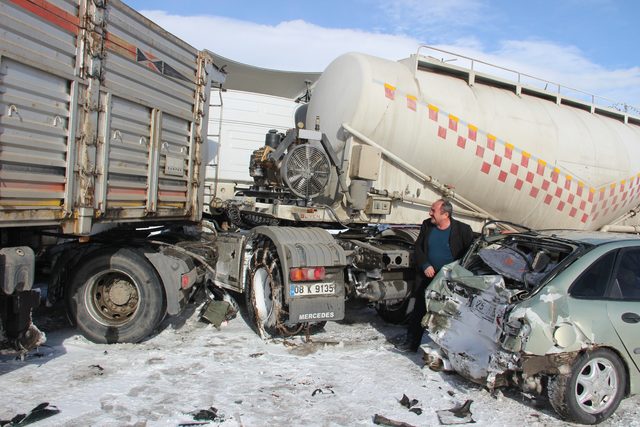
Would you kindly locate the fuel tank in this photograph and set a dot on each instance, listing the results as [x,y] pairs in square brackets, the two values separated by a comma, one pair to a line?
[523,154]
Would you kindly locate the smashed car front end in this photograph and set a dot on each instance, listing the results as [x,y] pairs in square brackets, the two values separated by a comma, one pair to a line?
[466,322]
[483,318]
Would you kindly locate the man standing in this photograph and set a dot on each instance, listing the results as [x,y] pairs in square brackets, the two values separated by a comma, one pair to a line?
[442,240]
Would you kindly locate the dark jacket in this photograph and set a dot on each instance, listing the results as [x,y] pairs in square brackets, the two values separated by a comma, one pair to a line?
[460,239]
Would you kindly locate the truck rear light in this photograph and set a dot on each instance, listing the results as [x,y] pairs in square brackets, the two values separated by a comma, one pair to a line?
[185,281]
[188,279]
[307,274]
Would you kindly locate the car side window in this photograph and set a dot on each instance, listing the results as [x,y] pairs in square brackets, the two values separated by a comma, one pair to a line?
[627,276]
[593,282]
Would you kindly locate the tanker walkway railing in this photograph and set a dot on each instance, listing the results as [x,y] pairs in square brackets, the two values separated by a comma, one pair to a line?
[561,93]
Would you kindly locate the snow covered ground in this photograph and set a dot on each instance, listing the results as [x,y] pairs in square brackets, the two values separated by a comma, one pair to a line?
[344,377]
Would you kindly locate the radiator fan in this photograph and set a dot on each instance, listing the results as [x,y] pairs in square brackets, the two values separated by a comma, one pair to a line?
[306,170]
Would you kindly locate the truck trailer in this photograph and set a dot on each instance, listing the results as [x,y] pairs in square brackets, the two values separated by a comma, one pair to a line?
[103,119]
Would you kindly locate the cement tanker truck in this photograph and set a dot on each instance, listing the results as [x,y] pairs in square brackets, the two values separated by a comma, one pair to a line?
[378,142]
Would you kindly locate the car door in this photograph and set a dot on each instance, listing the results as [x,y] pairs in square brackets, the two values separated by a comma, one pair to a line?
[623,304]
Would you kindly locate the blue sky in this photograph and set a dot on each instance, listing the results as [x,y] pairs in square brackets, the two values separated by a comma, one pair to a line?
[586,44]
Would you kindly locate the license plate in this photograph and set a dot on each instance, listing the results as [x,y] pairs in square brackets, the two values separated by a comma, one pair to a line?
[312,289]
[483,308]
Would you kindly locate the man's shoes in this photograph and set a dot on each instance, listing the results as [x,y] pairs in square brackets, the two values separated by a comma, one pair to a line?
[407,347]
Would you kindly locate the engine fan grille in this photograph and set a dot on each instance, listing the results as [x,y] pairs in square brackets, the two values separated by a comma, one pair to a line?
[306,170]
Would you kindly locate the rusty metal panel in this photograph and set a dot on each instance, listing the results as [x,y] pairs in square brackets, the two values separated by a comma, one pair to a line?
[151,76]
[148,64]
[35,32]
[34,128]
[102,114]
[128,155]
[174,162]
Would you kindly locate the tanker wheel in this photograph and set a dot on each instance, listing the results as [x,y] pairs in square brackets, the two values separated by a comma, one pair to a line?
[116,297]
[265,294]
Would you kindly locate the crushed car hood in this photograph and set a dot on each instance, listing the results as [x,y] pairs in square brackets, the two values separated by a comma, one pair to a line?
[465,315]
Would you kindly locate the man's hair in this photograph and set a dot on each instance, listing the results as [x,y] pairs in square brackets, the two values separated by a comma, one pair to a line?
[446,207]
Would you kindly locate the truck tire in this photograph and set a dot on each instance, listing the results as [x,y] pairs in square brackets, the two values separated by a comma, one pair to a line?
[264,294]
[116,296]
[264,289]
[592,390]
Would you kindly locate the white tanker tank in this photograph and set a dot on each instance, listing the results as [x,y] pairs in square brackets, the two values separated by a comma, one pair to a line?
[502,148]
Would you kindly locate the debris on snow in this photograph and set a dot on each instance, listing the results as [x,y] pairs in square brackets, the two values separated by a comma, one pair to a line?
[320,391]
[384,421]
[209,414]
[40,412]
[408,403]
[460,414]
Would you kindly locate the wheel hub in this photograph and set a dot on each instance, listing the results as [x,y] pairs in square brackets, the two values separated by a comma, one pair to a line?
[597,386]
[114,297]
[120,292]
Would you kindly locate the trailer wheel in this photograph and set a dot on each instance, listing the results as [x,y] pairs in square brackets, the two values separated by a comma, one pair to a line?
[116,297]
[264,295]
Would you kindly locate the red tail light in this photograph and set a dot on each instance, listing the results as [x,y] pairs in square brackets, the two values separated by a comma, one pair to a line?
[307,274]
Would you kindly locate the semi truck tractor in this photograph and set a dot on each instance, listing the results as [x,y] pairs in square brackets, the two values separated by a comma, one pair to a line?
[103,115]
[333,209]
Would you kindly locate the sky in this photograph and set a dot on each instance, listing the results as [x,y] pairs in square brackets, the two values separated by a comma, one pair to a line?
[589,45]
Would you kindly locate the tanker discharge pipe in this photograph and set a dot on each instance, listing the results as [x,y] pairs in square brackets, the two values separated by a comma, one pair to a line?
[426,178]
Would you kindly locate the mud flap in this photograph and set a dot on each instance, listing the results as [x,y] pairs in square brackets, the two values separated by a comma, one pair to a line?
[316,309]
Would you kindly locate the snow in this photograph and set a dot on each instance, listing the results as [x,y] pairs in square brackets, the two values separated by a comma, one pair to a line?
[343,377]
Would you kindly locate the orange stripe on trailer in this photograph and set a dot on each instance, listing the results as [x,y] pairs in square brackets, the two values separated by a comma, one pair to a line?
[123,191]
[121,46]
[32,186]
[172,193]
[51,13]
[9,203]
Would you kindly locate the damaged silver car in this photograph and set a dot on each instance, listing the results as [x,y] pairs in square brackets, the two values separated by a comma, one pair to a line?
[555,311]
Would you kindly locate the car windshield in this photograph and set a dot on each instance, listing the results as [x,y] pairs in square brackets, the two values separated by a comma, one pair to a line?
[524,258]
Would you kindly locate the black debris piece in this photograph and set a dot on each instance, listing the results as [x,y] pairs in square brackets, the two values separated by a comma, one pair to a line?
[254,355]
[408,403]
[98,367]
[416,411]
[320,391]
[209,414]
[40,412]
[451,393]
[460,414]
[384,421]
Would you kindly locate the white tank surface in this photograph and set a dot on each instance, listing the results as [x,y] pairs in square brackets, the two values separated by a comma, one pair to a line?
[527,155]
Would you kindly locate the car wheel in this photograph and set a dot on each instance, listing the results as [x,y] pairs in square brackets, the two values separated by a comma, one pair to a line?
[593,389]
[116,297]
